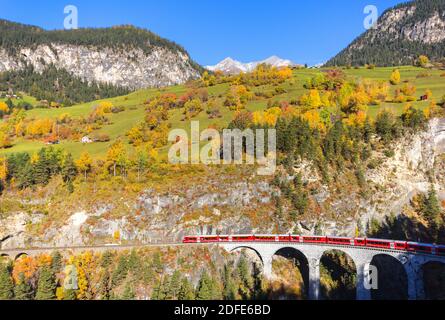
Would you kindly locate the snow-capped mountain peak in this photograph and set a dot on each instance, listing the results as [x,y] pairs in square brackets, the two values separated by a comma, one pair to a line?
[231,66]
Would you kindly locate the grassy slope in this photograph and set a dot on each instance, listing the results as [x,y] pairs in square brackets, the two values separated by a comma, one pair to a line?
[134,108]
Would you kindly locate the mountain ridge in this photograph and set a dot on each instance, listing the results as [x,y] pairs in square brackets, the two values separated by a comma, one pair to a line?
[123,56]
[402,33]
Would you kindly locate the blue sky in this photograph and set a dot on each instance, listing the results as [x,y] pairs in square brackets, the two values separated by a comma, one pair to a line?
[210,30]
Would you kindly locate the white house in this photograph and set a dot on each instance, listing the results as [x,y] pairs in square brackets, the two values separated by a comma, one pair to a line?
[86,139]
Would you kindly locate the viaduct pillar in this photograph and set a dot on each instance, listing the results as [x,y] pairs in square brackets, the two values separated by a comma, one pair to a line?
[314,278]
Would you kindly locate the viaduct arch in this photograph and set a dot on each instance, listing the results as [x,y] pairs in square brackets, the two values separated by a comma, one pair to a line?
[410,263]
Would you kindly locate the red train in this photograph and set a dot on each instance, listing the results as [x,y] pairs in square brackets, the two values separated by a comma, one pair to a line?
[342,241]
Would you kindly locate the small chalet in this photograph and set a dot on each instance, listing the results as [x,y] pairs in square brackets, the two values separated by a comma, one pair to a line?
[86,140]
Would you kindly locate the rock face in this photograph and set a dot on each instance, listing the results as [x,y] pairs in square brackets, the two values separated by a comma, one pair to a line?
[400,36]
[132,69]
[124,56]
[407,173]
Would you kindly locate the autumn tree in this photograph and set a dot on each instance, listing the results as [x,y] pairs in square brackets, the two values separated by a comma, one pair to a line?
[312,99]
[423,61]
[395,77]
[115,154]
[84,163]
[4,109]
[141,161]
[3,169]
[5,141]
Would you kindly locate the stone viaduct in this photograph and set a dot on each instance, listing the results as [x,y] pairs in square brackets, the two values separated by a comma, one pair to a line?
[362,257]
[311,255]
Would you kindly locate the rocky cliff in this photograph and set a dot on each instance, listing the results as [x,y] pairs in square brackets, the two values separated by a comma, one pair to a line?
[123,56]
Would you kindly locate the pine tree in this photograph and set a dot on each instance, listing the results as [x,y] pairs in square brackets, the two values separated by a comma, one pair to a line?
[120,273]
[41,170]
[368,130]
[186,291]
[69,294]
[6,283]
[158,291]
[299,196]
[206,288]
[258,289]
[105,286]
[431,208]
[56,262]
[23,290]
[175,284]
[69,170]
[245,276]
[134,263]
[167,293]
[157,263]
[128,293]
[229,292]
[46,286]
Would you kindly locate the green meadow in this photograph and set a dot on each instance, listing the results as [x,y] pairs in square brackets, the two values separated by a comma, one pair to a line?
[134,109]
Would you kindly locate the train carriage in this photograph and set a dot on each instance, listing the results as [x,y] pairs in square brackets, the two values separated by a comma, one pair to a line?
[421,247]
[284,238]
[414,247]
[340,240]
[440,250]
[378,243]
[314,239]
[266,238]
[360,242]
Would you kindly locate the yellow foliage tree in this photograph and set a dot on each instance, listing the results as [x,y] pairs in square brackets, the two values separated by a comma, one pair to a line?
[114,153]
[85,265]
[40,127]
[3,169]
[395,77]
[5,142]
[84,163]
[356,119]
[4,107]
[34,158]
[423,61]
[314,120]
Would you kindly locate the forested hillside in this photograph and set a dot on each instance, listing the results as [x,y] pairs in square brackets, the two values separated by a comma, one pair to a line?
[57,86]
[14,36]
[86,64]
[401,35]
